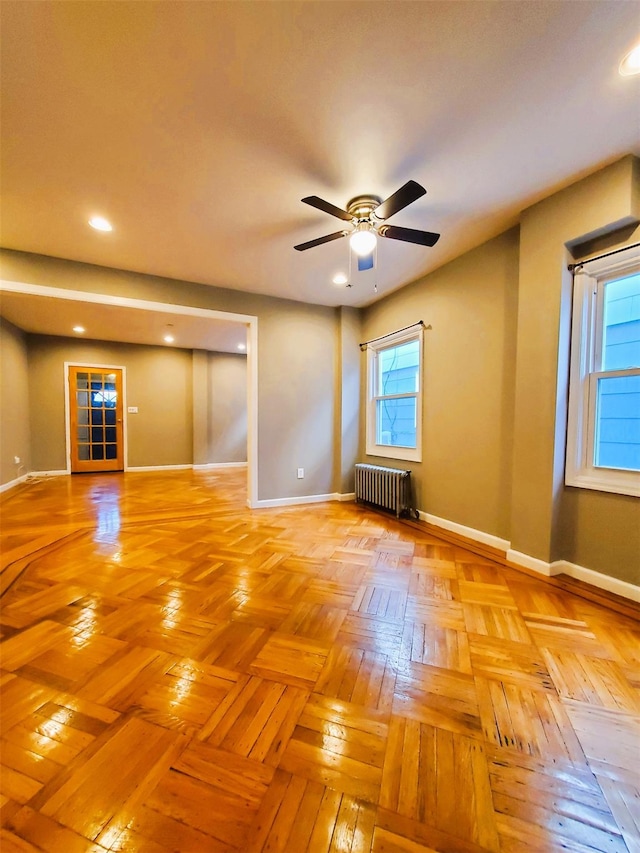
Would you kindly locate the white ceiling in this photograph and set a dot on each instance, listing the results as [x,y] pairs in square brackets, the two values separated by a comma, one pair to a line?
[197,127]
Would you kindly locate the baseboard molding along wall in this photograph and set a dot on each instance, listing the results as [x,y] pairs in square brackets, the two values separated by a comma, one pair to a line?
[468,532]
[209,466]
[156,468]
[304,499]
[12,483]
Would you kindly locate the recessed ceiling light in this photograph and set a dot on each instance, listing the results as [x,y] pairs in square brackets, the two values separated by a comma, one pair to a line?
[100,223]
[79,329]
[631,63]
[339,278]
[169,339]
[242,346]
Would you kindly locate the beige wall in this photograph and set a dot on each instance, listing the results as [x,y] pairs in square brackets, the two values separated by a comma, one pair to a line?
[469,352]
[297,384]
[548,520]
[348,412]
[157,381]
[15,439]
[227,409]
[297,400]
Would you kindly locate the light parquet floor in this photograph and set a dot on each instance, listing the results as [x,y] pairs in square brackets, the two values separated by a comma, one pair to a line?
[182,674]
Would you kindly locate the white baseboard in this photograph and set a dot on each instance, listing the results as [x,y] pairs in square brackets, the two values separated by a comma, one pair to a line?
[580,573]
[532,563]
[305,499]
[61,473]
[347,496]
[138,468]
[12,483]
[467,532]
[209,466]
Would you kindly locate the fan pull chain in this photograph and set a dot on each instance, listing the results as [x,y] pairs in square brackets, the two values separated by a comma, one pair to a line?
[375,268]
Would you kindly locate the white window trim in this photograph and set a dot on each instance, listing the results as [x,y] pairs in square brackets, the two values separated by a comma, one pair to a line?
[409,454]
[585,370]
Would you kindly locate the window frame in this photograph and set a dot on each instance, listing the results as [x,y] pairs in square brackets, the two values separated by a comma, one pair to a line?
[374,350]
[585,371]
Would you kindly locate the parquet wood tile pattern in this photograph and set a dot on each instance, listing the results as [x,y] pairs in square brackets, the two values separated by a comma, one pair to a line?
[180,673]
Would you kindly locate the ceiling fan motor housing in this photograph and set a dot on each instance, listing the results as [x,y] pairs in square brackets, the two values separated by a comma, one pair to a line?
[362,206]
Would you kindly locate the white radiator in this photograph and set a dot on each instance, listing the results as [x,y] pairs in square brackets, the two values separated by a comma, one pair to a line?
[384,487]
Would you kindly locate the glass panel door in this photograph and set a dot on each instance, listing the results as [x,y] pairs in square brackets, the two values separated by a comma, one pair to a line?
[95,396]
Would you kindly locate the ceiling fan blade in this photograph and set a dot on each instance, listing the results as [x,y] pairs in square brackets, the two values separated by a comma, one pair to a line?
[409,235]
[365,262]
[327,207]
[407,194]
[319,241]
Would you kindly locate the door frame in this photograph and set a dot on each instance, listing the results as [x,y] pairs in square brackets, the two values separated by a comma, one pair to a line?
[249,321]
[67,406]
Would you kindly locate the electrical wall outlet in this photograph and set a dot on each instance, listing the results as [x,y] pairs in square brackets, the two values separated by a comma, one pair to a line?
[300,473]
[16,460]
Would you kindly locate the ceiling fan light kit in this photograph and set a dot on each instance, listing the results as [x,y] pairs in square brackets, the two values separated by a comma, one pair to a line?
[363,239]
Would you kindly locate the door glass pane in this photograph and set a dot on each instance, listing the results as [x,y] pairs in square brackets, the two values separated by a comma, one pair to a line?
[110,434]
[82,381]
[83,416]
[96,416]
[112,451]
[97,435]
[83,434]
[399,369]
[96,377]
[617,442]
[82,398]
[621,332]
[97,451]
[110,416]
[83,452]
[396,422]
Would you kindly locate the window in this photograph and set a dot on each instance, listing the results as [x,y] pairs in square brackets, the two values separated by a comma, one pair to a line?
[603,445]
[394,413]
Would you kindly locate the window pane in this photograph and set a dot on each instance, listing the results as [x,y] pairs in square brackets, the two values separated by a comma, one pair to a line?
[617,440]
[399,369]
[396,422]
[621,333]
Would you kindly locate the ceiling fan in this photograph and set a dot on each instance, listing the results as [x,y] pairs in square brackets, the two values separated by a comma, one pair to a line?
[366,215]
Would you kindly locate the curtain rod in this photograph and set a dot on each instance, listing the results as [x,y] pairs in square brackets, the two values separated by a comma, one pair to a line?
[573,267]
[365,344]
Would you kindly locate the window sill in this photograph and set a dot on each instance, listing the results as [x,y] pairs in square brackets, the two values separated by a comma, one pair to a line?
[608,483]
[409,454]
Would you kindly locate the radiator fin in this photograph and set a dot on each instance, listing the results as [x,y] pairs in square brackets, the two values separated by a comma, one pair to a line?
[383,487]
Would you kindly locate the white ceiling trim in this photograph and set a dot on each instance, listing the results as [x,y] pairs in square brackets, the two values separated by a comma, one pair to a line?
[122,301]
